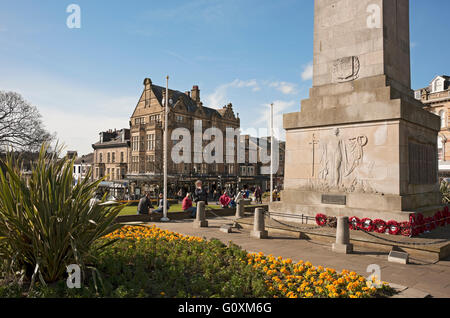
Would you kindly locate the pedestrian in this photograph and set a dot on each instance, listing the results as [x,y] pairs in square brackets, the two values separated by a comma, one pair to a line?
[160,208]
[187,206]
[200,194]
[145,205]
[258,195]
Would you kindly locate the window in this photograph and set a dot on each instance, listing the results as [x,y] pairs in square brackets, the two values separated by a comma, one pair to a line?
[443,119]
[109,157]
[150,142]
[113,157]
[135,143]
[179,119]
[440,148]
[122,157]
[155,118]
[101,158]
[140,121]
[150,164]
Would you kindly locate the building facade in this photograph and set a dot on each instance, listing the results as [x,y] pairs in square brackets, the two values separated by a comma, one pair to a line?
[145,170]
[82,166]
[111,159]
[436,98]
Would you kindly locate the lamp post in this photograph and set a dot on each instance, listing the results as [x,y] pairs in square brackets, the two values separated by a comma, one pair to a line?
[166,132]
[271,153]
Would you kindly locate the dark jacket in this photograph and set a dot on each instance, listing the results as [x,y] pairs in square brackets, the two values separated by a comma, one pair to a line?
[200,195]
[144,205]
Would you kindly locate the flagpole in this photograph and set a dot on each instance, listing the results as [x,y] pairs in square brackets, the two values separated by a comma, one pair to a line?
[166,132]
[271,153]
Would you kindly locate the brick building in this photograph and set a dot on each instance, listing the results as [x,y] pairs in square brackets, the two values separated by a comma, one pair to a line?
[436,98]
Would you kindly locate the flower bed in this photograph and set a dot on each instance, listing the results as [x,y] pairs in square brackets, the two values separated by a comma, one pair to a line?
[303,280]
[150,262]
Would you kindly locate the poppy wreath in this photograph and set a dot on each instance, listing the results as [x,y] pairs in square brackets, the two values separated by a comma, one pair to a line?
[429,224]
[405,228]
[418,224]
[321,219]
[439,218]
[379,226]
[393,227]
[366,225]
[354,223]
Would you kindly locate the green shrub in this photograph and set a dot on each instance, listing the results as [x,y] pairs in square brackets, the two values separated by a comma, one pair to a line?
[46,223]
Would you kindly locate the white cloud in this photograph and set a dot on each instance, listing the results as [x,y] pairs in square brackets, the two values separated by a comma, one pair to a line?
[219,97]
[279,108]
[285,87]
[307,73]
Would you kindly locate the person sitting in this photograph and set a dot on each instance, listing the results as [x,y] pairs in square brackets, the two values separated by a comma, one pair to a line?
[187,206]
[225,200]
[160,208]
[145,204]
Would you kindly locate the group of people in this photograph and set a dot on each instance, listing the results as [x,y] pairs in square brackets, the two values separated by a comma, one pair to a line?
[200,194]
[226,200]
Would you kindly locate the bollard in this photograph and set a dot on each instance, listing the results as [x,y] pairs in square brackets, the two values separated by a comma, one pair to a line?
[259,231]
[342,244]
[200,218]
[240,209]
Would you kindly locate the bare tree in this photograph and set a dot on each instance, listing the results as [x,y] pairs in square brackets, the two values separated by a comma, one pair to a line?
[21,127]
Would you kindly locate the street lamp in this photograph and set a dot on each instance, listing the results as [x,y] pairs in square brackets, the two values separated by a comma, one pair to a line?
[166,132]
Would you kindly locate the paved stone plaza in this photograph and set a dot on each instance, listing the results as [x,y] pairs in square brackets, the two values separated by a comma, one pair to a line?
[428,278]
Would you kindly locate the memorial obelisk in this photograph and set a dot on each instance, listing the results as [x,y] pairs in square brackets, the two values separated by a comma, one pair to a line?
[361,144]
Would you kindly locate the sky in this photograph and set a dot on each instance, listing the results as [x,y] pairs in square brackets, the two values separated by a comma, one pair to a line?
[247,52]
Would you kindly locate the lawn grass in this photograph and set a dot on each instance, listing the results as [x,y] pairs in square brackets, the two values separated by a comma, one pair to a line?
[132,210]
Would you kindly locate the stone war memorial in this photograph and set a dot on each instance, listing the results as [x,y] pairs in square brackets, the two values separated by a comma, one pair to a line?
[361,145]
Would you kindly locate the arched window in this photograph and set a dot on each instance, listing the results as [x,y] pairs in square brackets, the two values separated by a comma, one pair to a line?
[443,119]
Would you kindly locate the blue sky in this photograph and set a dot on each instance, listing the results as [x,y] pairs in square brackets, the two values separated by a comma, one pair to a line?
[248,52]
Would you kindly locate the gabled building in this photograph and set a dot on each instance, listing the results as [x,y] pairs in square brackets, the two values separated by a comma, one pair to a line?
[146,134]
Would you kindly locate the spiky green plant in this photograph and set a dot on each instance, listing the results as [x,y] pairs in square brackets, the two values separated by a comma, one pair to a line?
[445,191]
[46,223]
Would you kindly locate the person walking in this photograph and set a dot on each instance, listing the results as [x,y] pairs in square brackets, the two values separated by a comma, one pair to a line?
[258,195]
[200,194]
[145,205]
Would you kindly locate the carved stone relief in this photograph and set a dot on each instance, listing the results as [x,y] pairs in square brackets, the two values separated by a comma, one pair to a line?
[339,159]
[345,69]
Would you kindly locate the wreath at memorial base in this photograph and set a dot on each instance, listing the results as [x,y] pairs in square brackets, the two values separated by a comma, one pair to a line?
[321,219]
[379,226]
[354,223]
[405,229]
[393,227]
[439,219]
[366,225]
[429,224]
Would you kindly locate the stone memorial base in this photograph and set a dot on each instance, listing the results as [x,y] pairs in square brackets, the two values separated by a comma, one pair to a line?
[361,148]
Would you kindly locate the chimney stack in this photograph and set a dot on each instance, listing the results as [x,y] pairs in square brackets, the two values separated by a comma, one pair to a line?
[195,94]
